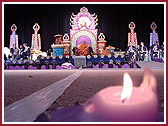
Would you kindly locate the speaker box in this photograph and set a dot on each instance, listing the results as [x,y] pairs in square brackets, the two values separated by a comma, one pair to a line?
[80,61]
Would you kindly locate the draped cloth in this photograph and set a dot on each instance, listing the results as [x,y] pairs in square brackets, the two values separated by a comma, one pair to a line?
[36,41]
[13,40]
[153,37]
[132,37]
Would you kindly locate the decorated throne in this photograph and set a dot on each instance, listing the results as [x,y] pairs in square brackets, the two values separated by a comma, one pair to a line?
[83,29]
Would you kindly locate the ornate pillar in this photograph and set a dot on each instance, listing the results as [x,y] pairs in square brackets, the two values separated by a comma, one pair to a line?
[13,37]
[36,40]
[132,35]
[101,43]
[66,43]
[153,35]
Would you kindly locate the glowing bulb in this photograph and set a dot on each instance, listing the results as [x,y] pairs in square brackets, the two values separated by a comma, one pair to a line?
[127,88]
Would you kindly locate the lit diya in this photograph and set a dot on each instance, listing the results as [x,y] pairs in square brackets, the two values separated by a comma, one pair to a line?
[115,104]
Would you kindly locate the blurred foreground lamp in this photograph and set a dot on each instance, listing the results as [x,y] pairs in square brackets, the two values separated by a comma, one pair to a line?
[115,104]
[127,103]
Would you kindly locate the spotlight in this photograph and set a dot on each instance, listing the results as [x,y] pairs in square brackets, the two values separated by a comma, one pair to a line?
[130,64]
[26,64]
[37,63]
[101,63]
[118,62]
[89,64]
[7,64]
[110,65]
[126,57]
[47,64]
[54,64]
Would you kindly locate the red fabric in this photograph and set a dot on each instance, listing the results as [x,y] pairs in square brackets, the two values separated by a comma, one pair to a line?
[37,41]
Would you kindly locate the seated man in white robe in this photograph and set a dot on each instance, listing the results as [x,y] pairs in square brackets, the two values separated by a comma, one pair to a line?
[67,64]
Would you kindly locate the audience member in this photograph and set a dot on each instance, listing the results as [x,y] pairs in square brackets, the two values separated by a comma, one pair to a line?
[154,49]
[131,50]
[143,51]
[26,52]
[162,50]
[67,64]
[14,51]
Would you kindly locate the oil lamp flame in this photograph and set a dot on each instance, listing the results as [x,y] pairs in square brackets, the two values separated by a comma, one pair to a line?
[127,88]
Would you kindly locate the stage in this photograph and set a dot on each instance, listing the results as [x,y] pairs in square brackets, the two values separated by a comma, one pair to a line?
[36,91]
[150,64]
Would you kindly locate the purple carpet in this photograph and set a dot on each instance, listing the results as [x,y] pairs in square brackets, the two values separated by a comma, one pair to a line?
[114,66]
[42,67]
[69,67]
[159,60]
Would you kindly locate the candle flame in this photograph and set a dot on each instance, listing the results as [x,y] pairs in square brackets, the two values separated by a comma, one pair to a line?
[127,87]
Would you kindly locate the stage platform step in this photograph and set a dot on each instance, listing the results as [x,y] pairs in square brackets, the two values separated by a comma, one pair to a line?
[150,64]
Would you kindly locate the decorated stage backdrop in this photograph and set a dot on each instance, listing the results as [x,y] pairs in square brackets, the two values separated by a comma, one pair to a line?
[83,29]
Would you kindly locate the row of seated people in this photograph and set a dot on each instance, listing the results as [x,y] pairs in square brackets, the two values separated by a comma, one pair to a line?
[89,51]
[20,53]
[155,50]
[24,51]
[83,49]
[77,52]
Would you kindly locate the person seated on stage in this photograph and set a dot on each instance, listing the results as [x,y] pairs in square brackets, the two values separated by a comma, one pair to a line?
[26,52]
[137,52]
[83,48]
[67,64]
[14,51]
[21,49]
[105,51]
[162,50]
[143,50]
[154,49]
[75,51]
[130,50]
[90,51]
[97,51]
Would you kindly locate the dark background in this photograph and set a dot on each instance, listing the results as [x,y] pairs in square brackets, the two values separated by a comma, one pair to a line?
[113,20]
